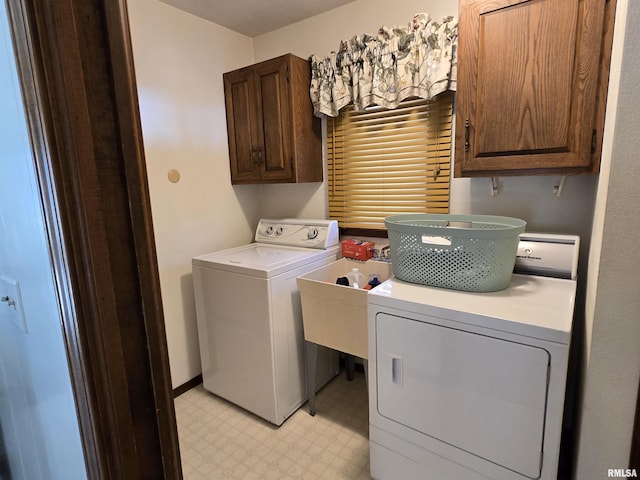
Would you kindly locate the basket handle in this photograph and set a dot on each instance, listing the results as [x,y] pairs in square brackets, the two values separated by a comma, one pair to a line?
[436,240]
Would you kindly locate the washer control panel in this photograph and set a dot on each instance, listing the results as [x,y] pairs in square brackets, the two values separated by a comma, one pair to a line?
[320,234]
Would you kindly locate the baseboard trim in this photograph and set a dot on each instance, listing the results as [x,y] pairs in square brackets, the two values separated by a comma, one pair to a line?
[195,381]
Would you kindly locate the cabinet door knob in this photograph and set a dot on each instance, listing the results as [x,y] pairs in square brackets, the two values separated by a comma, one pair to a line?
[260,154]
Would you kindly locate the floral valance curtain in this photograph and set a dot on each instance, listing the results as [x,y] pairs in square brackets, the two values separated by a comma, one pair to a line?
[418,60]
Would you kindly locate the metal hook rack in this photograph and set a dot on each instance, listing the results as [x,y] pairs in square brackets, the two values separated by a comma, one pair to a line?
[557,190]
[494,186]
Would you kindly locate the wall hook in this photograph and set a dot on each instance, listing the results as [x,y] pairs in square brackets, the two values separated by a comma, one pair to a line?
[494,186]
[557,190]
[9,301]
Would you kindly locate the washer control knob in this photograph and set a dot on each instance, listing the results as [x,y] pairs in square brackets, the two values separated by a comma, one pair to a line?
[279,230]
[313,233]
[269,230]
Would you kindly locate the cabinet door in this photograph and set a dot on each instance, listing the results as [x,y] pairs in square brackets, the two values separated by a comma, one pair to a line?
[274,113]
[527,85]
[242,125]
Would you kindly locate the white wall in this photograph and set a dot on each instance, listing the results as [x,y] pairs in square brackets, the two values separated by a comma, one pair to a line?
[322,34]
[179,61]
[39,435]
[612,366]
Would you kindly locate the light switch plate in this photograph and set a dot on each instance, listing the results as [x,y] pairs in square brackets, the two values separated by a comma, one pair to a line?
[11,303]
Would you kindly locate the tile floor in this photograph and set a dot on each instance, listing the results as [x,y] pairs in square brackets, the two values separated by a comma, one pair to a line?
[221,441]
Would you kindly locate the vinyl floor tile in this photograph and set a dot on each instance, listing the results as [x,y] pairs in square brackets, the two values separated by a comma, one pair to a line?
[221,441]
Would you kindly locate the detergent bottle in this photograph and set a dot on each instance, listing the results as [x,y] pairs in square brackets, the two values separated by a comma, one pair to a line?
[356,278]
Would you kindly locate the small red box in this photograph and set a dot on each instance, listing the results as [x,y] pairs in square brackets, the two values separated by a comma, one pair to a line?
[357,249]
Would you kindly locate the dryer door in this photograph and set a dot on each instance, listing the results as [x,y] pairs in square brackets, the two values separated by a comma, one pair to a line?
[483,395]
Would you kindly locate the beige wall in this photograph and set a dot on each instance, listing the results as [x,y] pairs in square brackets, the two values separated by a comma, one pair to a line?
[179,61]
[322,34]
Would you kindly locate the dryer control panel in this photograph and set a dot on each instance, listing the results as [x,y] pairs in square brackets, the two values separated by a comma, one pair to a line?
[550,255]
[291,232]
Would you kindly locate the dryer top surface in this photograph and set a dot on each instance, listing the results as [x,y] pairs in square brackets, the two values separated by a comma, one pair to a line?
[535,306]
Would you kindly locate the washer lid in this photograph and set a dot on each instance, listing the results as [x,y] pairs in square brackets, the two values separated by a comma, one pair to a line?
[538,307]
[261,260]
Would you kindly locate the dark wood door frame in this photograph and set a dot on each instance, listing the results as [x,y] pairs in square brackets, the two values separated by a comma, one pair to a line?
[78,83]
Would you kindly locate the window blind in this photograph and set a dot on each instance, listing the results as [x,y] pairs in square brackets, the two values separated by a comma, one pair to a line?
[385,162]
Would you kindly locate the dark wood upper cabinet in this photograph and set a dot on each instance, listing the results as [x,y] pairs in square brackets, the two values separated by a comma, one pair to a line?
[273,135]
[532,83]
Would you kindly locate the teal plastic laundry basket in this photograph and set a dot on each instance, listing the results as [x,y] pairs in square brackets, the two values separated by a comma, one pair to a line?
[474,253]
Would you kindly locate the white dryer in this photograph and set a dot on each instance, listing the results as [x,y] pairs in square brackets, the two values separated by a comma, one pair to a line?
[250,319]
[471,385]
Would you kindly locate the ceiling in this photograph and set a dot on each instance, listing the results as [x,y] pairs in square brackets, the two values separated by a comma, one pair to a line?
[255,17]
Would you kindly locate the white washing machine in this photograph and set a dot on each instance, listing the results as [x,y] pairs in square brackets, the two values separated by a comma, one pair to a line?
[250,319]
[471,385]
